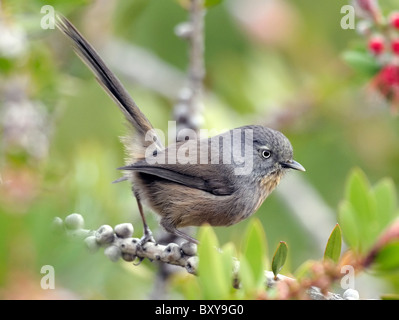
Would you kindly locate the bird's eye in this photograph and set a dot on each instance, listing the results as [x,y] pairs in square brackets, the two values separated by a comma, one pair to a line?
[266,154]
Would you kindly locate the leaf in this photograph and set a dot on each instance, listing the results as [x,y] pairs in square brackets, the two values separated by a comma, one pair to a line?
[385,196]
[246,278]
[333,247]
[279,258]
[357,192]
[347,221]
[363,205]
[212,278]
[254,250]
[387,258]
[366,211]
[362,62]
[228,253]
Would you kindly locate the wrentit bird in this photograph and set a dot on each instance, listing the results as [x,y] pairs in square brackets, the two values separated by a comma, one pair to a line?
[207,187]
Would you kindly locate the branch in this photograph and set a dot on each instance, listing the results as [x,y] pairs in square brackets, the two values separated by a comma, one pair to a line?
[119,243]
[188,108]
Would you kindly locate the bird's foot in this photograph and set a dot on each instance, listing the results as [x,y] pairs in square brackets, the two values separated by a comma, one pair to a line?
[147,237]
[141,244]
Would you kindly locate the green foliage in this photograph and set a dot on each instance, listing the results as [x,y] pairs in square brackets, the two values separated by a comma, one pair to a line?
[387,258]
[386,201]
[279,258]
[370,226]
[362,62]
[333,248]
[367,217]
[366,211]
[217,266]
[254,252]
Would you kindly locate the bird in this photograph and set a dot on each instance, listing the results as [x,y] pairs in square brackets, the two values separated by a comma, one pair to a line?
[219,180]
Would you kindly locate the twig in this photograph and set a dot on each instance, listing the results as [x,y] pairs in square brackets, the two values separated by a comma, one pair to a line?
[188,108]
[119,243]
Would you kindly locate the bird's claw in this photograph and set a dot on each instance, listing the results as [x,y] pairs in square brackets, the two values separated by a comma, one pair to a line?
[139,262]
[144,239]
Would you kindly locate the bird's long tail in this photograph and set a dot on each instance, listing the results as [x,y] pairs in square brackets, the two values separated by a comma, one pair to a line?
[109,82]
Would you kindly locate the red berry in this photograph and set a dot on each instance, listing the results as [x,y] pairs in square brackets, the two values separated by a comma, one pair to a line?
[387,83]
[394,19]
[389,75]
[395,46]
[376,44]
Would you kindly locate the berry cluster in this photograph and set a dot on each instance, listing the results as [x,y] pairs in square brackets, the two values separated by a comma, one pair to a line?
[382,34]
[380,43]
[118,243]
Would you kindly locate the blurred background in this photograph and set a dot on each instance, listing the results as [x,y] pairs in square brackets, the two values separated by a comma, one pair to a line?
[273,62]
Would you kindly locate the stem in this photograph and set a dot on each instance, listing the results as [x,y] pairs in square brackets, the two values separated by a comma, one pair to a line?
[188,108]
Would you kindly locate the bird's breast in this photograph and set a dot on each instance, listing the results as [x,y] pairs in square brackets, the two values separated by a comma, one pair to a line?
[266,185]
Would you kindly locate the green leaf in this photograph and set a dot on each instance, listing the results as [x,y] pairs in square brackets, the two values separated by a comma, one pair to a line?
[362,62]
[228,254]
[211,269]
[211,3]
[246,278]
[255,249]
[363,204]
[279,258]
[387,258]
[348,223]
[385,196]
[333,247]
[357,189]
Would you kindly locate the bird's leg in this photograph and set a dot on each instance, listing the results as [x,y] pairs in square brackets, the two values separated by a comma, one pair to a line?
[147,237]
[147,232]
[168,226]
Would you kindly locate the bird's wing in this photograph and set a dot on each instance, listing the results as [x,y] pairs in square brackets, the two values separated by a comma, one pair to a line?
[206,177]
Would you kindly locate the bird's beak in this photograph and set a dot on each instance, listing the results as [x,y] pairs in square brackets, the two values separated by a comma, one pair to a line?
[292,164]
